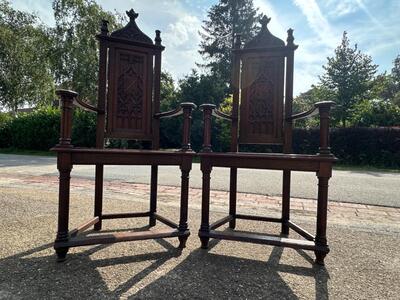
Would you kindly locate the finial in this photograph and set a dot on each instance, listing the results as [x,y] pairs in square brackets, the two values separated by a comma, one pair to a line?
[132,15]
[158,37]
[290,37]
[264,22]
[104,27]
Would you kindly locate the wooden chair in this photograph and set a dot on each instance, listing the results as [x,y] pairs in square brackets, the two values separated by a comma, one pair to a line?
[263,86]
[128,108]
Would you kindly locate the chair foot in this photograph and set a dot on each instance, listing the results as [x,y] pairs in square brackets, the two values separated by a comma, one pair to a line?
[97,226]
[152,221]
[204,242]
[61,254]
[182,241]
[319,258]
[285,230]
[232,224]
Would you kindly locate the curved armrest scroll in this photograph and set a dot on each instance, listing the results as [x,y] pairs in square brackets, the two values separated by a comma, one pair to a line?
[319,106]
[175,112]
[169,114]
[214,111]
[86,106]
[219,114]
[303,115]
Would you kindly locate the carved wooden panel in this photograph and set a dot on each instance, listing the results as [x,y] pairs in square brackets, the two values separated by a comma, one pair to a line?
[261,107]
[129,95]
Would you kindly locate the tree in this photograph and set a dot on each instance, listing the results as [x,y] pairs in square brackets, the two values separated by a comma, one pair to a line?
[225,19]
[396,81]
[196,88]
[75,44]
[348,76]
[25,76]
[376,113]
[305,101]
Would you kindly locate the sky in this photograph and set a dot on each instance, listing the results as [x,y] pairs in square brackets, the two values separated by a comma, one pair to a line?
[374,25]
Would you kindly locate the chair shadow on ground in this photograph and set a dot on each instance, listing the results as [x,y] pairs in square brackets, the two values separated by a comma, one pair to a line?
[201,275]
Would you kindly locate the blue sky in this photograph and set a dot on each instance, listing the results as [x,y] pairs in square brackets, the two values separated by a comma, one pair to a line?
[373,24]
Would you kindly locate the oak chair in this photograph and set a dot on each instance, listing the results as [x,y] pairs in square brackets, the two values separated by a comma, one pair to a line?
[128,107]
[262,81]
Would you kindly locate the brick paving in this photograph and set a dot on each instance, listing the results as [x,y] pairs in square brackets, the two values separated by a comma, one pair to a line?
[337,211]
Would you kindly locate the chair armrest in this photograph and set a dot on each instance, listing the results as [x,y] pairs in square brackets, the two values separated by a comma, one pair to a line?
[215,112]
[312,112]
[175,112]
[86,106]
[186,109]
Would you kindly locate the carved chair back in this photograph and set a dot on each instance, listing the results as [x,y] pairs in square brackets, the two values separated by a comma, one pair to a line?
[129,84]
[263,90]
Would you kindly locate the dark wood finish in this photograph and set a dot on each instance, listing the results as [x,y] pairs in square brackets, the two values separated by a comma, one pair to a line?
[128,107]
[166,221]
[83,227]
[301,231]
[262,81]
[221,222]
[119,237]
[125,215]
[258,218]
[232,197]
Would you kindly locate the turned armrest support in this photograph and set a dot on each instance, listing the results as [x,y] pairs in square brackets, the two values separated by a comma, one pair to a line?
[207,113]
[324,109]
[210,110]
[185,109]
[67,98]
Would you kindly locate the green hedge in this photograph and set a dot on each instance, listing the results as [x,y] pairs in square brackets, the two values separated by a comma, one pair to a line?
[40,129]
[356,146]
[378,147]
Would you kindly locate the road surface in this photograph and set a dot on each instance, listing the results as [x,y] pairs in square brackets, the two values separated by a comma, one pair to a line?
[374,188]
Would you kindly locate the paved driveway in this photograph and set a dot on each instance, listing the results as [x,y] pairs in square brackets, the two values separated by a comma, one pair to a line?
[373,188]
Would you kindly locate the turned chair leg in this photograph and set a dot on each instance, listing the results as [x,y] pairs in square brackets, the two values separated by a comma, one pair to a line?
[205,207]
[232,197]
[183,225]
[285,202]
[98,196]
[322,211]
[63,211]
[153,195]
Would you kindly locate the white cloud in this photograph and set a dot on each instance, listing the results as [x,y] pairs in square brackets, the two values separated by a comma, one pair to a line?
[183,39]
[275,26]
[340,8]
[316,21]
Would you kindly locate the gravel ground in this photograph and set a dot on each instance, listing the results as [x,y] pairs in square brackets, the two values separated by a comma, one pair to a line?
[364,262]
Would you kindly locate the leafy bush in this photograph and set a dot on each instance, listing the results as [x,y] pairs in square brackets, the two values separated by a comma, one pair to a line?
[356,146]
[39,130]
[376,113]
[5,134]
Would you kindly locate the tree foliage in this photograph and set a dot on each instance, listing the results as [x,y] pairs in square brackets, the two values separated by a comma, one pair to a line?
[225,19]
[348,76]
[75,44]
[25,76]
[376,113]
